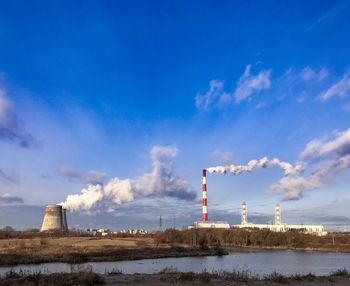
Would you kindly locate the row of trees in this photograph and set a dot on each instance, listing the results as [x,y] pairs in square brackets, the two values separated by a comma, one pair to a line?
[252,237]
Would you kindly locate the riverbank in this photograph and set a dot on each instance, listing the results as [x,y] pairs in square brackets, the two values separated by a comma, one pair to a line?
[169,276]
[226,278]
[35,250]
[90,249]
[335,249]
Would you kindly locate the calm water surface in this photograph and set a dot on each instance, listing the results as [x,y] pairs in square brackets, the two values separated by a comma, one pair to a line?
[257,261]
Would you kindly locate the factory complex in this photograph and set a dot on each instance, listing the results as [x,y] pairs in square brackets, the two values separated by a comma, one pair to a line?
[278,226]
[55,220]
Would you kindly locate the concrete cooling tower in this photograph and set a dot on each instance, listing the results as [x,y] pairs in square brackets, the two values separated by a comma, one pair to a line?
[54,219]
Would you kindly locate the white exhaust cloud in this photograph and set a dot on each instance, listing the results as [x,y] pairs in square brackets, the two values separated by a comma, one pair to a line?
[264,162]
[161,182]
[320,162]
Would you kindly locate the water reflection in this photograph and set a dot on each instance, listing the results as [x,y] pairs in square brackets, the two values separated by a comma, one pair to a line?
[258,262]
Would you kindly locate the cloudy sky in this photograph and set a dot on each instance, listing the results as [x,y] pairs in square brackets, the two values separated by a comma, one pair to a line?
[114,109]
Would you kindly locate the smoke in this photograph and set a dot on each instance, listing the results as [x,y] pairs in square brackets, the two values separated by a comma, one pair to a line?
[318,165]
[264,162]
[323,159]
[161,182]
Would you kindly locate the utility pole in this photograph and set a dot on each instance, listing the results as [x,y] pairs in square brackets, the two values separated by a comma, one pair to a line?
[160,223]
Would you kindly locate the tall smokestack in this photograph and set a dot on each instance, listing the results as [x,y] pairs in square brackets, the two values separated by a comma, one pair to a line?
[244,213]
[204,198]
[278,219]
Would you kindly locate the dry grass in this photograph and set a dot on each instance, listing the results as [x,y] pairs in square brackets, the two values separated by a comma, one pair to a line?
[84,249]
[78,278]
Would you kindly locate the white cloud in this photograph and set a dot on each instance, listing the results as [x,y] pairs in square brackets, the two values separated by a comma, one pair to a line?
[324,159]
[308,74]
[249,84]
[10,199]
[320,147]
[210,98]
[340,89]
[10,128]
[224,157]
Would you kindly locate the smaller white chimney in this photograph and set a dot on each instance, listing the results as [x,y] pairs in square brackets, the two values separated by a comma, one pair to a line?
[278,219]
[244,213]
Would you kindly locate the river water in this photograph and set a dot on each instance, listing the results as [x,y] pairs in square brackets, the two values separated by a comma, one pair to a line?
[258,262]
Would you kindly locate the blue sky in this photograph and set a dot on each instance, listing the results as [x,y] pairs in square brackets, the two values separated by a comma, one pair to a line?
[89,88]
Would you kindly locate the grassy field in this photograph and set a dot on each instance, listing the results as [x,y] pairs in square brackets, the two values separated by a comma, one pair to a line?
[75,247]
[83,249]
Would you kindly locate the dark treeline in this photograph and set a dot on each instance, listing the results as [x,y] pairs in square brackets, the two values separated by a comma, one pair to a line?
[253,238]
[8,233]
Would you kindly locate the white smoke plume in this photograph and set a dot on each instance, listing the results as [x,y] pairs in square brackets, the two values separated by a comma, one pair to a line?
[160,182]
[264,162]
[320,162]
[324,159]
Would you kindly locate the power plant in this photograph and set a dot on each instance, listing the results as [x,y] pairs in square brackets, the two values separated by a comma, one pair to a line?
[55,219]
[278,226]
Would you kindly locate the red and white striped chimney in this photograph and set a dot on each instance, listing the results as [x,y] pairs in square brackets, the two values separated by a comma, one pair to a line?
[204,198]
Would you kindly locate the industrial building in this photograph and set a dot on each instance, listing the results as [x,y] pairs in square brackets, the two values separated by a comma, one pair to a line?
[210,224]
[278,226]
[55,219]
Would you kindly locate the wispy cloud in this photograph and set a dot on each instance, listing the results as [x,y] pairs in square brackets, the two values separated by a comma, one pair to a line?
[224,157]
[330,15]
[324,159]
[247,85]
[299,84]
[10,199]
[10,129]
[90,177]
[308,74]
[339,89]
[8,179]
[211,97]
